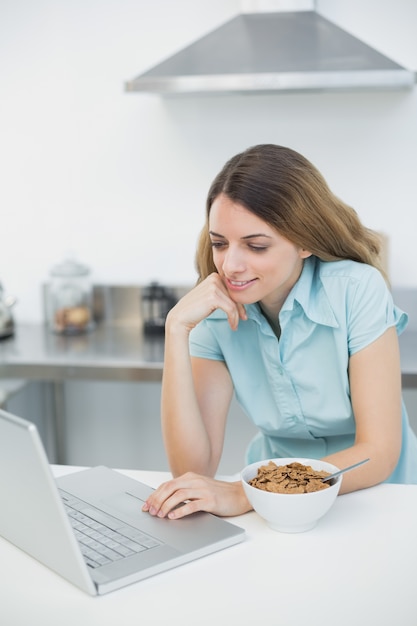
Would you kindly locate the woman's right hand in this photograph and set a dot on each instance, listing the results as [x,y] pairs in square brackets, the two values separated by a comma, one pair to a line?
[201,301]
[192,492]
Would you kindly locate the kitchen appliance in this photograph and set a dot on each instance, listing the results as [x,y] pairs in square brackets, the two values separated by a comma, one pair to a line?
[292,50]
[157,301]
[70,298]
[6,317]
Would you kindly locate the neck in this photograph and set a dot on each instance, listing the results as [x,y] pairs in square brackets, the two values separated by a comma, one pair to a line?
[272,320]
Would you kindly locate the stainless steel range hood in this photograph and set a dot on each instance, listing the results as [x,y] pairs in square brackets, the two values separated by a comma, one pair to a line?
[274,52]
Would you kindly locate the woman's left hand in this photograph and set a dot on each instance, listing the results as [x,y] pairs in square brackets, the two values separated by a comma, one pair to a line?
[191,492]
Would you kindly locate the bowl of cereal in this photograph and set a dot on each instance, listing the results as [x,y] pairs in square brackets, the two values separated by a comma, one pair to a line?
[289,493]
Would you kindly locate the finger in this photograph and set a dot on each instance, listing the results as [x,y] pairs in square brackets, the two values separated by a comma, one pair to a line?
[155,500]
[242,312]
[233,318]
[183,502]
[238,313]
[234,310]
[165,492]
[180,497]
[187,508]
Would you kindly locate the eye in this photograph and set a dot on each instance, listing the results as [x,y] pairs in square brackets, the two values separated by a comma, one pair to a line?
[218,244]
[257,248]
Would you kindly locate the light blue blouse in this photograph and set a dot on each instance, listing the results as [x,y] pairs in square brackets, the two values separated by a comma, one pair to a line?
[296,390]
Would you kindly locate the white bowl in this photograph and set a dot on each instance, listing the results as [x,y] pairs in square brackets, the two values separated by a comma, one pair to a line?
[294,512]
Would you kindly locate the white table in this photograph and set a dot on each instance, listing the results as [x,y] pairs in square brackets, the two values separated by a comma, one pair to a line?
[356,568]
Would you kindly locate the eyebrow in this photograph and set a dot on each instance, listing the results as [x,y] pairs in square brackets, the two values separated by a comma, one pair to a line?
[211,232]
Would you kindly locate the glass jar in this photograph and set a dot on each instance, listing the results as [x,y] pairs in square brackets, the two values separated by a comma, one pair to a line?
[70,299]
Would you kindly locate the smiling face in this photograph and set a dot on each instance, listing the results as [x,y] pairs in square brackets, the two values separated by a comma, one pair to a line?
[256,263]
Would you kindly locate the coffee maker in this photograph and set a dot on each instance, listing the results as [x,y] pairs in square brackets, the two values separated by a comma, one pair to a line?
[6,317]
[157,301]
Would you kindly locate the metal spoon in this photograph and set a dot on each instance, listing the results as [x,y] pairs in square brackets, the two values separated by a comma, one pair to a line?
[342,471]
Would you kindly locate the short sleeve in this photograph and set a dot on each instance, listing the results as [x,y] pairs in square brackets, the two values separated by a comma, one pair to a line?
[371,311]
[203,344]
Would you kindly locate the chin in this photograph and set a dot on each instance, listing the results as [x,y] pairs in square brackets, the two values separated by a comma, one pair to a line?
[242,298]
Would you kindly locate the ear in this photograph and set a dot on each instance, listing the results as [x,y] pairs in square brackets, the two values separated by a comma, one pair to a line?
[304,254]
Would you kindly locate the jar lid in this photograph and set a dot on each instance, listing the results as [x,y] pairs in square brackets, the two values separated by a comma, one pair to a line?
[70,267]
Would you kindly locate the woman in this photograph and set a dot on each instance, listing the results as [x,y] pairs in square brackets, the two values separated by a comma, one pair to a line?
[292,313]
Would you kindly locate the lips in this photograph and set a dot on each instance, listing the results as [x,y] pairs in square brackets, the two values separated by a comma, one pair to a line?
[239,284]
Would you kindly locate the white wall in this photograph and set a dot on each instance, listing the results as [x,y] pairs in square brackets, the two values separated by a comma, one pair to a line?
[120,179]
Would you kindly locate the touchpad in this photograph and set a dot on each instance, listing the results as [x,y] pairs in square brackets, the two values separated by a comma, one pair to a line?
[125,503]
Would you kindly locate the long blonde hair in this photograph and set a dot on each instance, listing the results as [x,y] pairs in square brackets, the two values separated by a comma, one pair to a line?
[285,190]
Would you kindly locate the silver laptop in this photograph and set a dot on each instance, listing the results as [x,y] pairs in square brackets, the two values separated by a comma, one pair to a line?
[88,526]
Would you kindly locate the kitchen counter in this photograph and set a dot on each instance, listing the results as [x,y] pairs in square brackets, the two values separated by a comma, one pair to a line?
[115,353]
[356,567]
[408,349]
[106,353]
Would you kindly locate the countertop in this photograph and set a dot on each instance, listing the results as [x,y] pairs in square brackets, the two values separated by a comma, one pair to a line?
[108,352]
[356,567]
[115,353]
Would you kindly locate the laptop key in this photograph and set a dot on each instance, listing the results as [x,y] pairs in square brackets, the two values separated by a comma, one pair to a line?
[140,537]
[132,545]
[104,539]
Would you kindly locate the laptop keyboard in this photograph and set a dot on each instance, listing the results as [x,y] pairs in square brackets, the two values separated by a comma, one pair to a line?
[103,539]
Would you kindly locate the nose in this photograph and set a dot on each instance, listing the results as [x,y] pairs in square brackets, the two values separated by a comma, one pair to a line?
[233,261]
